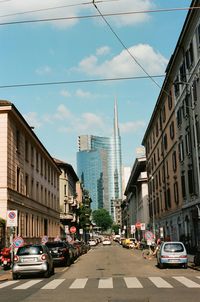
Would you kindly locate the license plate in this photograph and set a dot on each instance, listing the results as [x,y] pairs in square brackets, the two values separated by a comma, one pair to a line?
[28,260]
[173,261]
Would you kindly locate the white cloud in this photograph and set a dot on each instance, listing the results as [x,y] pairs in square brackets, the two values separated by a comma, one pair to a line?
[44,70]
[83,94]
[104,50]
[124,65]
[65,93]
[36,10]
[62,113]
[32,119]
[132,127]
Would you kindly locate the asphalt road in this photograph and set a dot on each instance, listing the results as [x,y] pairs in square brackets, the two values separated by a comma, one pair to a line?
[107,274]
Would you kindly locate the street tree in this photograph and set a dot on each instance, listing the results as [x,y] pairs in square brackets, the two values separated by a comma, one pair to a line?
[102,219]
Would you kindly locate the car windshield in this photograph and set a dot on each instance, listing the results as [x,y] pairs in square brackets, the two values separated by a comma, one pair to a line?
[173,247]
[29,250]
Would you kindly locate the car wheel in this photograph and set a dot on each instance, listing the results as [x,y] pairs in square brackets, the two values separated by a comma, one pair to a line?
[185,265]
[47,273]
[160,265]
[15,276]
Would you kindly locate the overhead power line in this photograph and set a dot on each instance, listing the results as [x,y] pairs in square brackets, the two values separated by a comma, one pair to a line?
[94,16]
[51,8]
[125,47]
[77,81]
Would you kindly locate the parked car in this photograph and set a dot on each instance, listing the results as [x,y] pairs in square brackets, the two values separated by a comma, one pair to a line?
[61,253]
[129,243]
[106,241]
[32,259]
[172,253]
[92,242]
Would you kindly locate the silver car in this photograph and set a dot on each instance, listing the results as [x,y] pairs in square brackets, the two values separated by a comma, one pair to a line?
[172,254]
[32,259]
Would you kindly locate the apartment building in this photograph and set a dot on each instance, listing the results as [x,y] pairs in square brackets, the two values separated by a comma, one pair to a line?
[172,141]
[29,178]
[70,196]
[136,202]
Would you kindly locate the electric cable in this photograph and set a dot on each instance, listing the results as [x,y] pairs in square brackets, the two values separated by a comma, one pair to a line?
[124,46]
[93,16]
[78,81]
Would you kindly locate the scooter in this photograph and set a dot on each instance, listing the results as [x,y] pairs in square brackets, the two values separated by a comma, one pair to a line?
[6,258]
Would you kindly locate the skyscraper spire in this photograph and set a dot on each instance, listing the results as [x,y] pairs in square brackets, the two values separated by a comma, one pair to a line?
[116,126]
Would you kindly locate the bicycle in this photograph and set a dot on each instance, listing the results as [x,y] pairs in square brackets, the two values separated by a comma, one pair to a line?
[148,253]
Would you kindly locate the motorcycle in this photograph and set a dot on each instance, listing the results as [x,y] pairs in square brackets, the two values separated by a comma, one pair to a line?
[6,258]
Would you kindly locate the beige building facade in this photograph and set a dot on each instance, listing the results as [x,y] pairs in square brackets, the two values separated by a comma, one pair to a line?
[29,178]
[172,142]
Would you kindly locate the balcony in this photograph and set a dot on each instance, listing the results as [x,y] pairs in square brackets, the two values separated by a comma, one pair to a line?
[68,216]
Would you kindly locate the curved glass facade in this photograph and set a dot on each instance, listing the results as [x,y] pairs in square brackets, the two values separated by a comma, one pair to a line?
[99,167]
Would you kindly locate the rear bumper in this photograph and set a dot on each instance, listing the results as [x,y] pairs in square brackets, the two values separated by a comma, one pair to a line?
[23,269]
[173,261]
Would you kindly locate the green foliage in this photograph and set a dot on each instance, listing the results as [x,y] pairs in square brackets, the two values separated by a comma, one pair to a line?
[102,219]
[115,228]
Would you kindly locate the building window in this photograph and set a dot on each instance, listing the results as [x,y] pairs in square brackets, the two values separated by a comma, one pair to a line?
[181,151]
[191,181]
[170,100]
[186,105]
[176,195]
[32,156]
[65,190]
[26,150]
[163,114]
[176,86]
[179,117]
[26,185]
[183,72]
[183,185]
[18,180]
[174,163]
[187,142]
[157,129]
[32,188]
[171,129]
[189,56]
[37,161]
[17,140]
[158,206]
[165,141]
[168,198]
[41,165]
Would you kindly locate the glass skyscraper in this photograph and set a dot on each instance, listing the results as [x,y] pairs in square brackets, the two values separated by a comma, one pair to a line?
[99,167]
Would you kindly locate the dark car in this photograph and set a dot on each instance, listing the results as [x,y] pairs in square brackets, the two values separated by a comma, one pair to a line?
[60,252]
[32,259]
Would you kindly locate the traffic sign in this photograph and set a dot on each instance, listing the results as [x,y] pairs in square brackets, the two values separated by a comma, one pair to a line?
[18,241]
[11,218]
[149,235]
[138,225]
[44,239]
[72,229]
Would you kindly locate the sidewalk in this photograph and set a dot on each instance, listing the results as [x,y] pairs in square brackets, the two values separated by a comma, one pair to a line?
[5,275]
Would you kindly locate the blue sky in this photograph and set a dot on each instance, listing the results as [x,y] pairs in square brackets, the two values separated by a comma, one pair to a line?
[83,49]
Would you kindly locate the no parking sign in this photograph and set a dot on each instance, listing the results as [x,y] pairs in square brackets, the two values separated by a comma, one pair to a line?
[11,218]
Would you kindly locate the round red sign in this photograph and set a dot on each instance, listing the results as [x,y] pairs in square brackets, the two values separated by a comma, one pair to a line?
[72,229]
[138,225]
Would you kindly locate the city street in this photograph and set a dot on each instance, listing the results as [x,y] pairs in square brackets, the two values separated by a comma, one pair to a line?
[107,273]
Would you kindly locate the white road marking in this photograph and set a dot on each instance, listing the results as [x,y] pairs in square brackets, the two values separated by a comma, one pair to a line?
[79,283]
[187,282]
[53,284]
[27,284]
[105,283]
[8,283]
[160,283]
[132,282]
